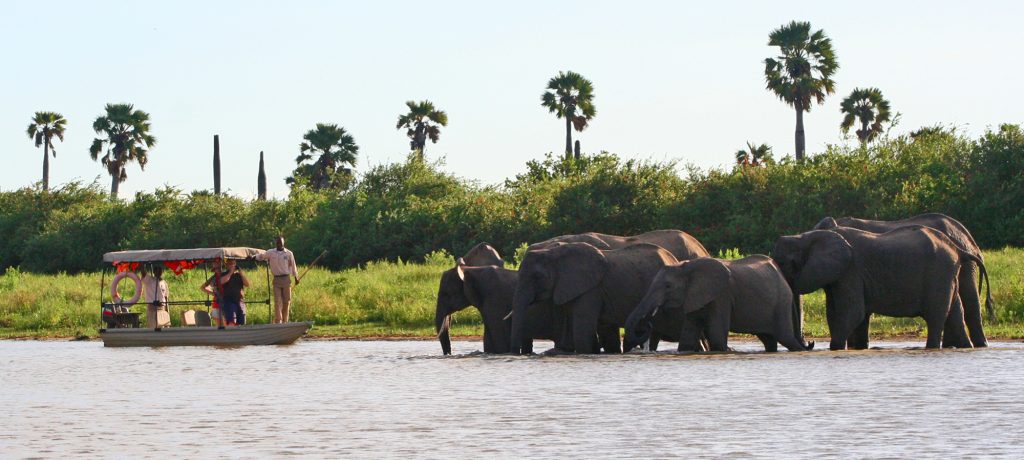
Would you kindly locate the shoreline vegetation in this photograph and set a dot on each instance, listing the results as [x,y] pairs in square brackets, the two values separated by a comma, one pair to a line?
[395,300]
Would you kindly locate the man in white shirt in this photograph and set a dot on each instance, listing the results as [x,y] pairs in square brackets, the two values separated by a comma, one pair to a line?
[282,265]
[155,290]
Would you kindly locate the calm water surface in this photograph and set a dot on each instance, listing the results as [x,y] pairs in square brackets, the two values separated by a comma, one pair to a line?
[400,399]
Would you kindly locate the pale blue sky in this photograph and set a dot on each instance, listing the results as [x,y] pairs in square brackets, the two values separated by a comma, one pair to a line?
[674,80]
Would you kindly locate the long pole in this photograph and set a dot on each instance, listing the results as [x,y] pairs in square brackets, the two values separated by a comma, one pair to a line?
[311,264]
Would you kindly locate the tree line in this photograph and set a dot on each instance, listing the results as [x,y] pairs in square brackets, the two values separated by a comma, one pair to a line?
[408,209]
[801,74]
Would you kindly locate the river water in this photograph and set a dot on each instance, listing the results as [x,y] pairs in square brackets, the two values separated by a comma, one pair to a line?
[401,399]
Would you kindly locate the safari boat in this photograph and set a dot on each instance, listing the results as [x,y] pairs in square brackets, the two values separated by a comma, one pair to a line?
[121,316]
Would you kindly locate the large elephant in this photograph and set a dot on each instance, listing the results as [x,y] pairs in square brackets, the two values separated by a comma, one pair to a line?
[956,231]
[908,272]
[682,245]
[597,289]
[489,289]
[717,296]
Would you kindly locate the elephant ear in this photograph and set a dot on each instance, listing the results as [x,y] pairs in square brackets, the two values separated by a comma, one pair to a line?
[471,284]
[829,256]
[707,280]
[579,267]
[826,224]
[459,265]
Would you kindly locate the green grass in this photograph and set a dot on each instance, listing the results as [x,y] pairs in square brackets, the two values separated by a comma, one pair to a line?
[391,300]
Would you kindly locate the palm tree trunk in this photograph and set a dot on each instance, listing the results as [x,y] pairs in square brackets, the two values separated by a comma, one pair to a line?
[568,137]
[800,141]
[216,164]
[114,185]
[46,164]
[261,182]
[863,134]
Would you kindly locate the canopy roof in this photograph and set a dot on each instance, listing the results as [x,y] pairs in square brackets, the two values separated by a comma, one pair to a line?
[163,255]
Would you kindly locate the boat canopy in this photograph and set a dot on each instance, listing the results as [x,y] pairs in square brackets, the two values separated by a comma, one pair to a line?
[168,255]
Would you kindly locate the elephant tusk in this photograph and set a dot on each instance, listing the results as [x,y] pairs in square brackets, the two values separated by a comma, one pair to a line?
[509,315]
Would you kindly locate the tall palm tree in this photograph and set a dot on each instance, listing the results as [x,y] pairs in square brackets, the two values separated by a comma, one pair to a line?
[802,71]
[422,122]
[44,126]
[126,139]
[333,147]
[571,97]
[867,106]
[754,155]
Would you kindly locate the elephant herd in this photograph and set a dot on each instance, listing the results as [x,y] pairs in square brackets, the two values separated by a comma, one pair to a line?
[579,290]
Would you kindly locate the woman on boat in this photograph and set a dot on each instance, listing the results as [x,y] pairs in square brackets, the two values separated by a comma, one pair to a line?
[232,283]
[212,288]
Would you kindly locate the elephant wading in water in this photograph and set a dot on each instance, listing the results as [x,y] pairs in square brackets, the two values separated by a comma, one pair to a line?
[969,294]
[478,279]
[908,272]
[718,296]
[596,290]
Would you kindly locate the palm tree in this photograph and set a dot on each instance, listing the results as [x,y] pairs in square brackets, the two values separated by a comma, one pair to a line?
[44,126]
[335,147]
[802,71]
[422,122]
[867,106]
[570,97]
[127,139]
[754,155]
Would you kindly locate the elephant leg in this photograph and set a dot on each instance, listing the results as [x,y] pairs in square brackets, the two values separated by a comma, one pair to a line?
[971,299]
[610,340]
[652,343]
[717,327]
[769,342]
[585,314]
[844,312]
[690,333]
[858,339]
[566,342]
[954,335]
[488,339]
[936,310]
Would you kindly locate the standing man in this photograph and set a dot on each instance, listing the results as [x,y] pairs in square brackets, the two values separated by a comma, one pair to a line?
[282,265]
[155,289]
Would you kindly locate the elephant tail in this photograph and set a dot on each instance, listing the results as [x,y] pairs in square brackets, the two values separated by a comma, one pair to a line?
[990,305]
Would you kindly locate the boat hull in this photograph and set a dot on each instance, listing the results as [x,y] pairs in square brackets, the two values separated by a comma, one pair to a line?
[260,334]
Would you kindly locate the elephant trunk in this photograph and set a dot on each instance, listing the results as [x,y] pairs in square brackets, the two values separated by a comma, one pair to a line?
[442,323]
[798,321]
[639,324]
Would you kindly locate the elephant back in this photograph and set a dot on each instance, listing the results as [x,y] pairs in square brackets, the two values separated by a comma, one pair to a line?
[630,272]
[759,280]
[682,245]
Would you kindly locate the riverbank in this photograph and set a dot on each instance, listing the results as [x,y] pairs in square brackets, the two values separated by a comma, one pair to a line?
[386,300]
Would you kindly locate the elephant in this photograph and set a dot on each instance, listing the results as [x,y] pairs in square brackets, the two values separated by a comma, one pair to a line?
[596,289]
[908,272]
[489,288]
[956,232]
[718,296]
[682,245]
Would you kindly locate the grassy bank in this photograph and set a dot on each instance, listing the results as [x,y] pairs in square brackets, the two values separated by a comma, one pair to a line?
[390,300]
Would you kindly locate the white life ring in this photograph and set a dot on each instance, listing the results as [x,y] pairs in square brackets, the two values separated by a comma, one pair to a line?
[116,296]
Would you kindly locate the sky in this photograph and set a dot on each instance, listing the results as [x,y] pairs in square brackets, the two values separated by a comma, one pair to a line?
[673,80]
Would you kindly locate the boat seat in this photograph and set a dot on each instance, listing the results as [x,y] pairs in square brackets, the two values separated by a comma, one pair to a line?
[163,319]
[203,319]
[188,318]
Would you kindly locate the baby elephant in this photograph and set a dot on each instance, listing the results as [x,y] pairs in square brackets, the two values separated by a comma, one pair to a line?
[718,296]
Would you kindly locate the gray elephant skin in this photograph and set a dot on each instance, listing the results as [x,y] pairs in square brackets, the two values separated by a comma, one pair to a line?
[682,245]
[969,294]
[907,272]
[717,296]
[489,288]
[596,289]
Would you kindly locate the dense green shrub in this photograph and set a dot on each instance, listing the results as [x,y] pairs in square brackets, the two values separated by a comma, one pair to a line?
[405,210]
